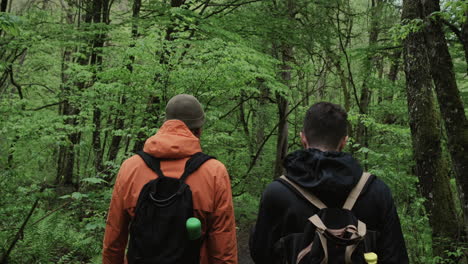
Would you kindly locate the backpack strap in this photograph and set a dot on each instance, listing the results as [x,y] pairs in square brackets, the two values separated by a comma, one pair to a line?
[194,163]
[358,233]
[361,232]
[190,166]
[307,195]
[152,162]
[356,191]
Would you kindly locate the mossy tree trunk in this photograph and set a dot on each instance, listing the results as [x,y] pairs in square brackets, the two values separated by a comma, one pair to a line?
[431,167]
[450,103]
[287,56]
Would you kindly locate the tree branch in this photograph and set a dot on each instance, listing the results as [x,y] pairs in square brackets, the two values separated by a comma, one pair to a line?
[226,6]
[12,80]
[19,233]
[265,140]
[348,64]
[453,28]
[45,106]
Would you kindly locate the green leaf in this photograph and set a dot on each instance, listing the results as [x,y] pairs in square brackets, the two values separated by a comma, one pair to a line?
[93,180]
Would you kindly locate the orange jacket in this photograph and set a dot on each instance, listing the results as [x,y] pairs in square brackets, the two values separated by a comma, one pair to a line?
[211,191]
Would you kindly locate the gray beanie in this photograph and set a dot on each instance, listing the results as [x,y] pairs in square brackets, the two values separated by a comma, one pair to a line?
[186,108]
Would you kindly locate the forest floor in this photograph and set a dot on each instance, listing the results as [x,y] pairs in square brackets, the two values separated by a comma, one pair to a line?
[243,234]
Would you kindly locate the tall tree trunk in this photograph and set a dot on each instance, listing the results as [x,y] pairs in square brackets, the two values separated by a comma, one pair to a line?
[119,122]
[450,103]
[431,167]
[95,12]
[66,153]
[3,6]
[152,112]
[282,140]
[395,66]
[63,110]
[344,85]
[96,141]
[370,65]
[66,166]
[245,123]
[261,114]
[286,50]
[464,35]
[67,169]
[100,16]
[154,103]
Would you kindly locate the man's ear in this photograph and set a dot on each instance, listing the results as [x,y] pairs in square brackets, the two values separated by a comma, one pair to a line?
[304,142]
[343,142]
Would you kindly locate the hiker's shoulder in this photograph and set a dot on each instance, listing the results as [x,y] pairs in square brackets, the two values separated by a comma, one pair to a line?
[377,189]
[375,183]
[275,192]
[132,162]
[214,163]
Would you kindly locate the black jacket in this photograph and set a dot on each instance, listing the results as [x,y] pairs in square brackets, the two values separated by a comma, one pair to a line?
[330,176]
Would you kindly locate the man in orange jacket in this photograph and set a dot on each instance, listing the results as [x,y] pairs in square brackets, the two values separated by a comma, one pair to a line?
[177,140]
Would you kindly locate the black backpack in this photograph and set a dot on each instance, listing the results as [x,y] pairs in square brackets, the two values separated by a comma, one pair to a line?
[332,235]
[158,233]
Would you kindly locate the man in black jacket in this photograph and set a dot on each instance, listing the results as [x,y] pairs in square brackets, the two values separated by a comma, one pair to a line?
[322,169]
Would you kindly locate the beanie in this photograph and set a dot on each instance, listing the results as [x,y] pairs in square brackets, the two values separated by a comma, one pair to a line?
[186,108]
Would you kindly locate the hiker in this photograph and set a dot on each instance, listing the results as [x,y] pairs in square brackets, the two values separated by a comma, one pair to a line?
[318,180]
[170,148]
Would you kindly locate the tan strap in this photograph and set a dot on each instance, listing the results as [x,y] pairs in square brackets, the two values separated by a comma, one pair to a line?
[356,191]
[323,241]
[304,252]
[339,232]
[349,252]
[310,197]
[315,219]
[362,230]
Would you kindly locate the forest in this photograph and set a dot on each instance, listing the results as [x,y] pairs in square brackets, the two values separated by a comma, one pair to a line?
[83,84]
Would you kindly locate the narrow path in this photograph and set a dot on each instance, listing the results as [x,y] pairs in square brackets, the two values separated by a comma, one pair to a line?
[243,234]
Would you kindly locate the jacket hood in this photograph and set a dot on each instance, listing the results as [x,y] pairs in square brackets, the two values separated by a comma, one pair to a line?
[323,172]
[174,140]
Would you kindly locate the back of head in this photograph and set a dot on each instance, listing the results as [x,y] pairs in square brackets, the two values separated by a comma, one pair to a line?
[186,108]
[325,125]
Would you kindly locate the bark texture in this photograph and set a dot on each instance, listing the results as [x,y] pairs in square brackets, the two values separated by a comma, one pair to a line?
[286,50]
[431,167]
[450,103]
[3,5]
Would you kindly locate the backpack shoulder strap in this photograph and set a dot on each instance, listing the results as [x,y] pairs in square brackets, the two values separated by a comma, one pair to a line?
[356,191]
[307,195]
[194,163]
[152,163]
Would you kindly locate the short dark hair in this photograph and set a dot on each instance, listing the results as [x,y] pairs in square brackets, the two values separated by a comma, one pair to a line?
[325,124]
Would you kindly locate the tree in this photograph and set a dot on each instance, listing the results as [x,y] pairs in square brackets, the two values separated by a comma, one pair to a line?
[284,51]
[96,13]
[450,103]
[431,167]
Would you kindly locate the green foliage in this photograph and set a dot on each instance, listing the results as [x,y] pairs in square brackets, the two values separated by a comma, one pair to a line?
[233,60]
[10,23]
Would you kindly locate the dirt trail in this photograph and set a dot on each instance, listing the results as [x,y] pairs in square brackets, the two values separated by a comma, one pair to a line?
[243,234]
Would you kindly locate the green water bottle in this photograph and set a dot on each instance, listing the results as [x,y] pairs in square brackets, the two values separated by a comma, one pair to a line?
[194,232]
[371,258]
[193,228]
